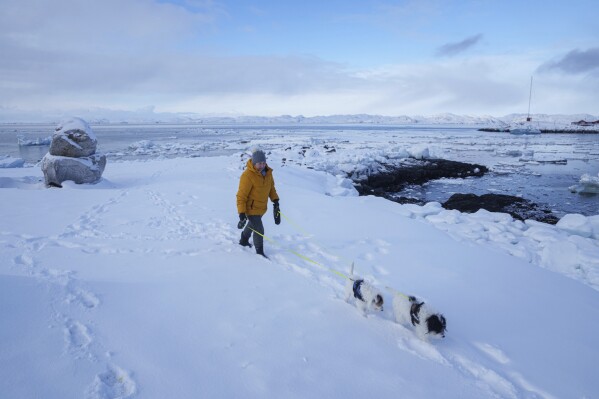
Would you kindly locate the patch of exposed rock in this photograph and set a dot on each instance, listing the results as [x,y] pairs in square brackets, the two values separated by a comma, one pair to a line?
[397,178]
[518,208]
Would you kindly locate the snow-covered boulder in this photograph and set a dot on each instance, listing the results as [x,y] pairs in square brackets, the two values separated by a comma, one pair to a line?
[72,155]
[81,170]
[73,138]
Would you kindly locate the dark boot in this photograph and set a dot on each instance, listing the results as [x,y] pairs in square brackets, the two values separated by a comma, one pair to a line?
[245,242]
[260,251]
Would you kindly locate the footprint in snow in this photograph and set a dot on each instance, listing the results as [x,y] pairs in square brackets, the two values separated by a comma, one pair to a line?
[368,256]
[24,260]
[78,338]
[114,383]
[84,298]
[380,270]
[58,276]
[497,384]
[493,352]
[424,350]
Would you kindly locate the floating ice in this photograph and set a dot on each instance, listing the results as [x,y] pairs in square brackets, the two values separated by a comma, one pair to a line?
[22,141]
[10,162]
[142,144]
[587,185]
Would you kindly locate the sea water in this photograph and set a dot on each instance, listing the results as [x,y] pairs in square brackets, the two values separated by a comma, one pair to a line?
[540,168]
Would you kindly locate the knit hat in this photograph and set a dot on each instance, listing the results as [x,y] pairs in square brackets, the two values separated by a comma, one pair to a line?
[258,156]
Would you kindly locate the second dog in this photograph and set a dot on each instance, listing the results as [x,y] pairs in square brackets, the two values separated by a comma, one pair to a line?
[366,295]
[427,322]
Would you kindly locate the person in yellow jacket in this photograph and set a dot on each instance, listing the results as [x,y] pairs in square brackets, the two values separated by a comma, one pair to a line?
[256,186]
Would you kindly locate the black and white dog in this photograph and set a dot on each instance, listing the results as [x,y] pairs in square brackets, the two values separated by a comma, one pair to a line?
[427,323]
[366,295]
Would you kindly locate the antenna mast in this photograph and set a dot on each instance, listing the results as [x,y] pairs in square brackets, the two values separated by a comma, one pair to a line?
[528,118]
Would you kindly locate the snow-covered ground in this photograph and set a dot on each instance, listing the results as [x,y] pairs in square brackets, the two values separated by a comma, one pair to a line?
[136,287]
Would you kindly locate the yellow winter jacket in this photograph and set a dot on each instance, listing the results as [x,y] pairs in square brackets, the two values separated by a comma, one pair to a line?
[254,190]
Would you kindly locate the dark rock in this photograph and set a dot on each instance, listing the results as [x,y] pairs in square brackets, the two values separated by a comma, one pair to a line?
[519,208]
[494,130]
[400,199]
[399,177]
[560,131]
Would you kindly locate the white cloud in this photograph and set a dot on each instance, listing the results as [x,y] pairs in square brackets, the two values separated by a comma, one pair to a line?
[132,53]
[308,86]
[484,85]
[97,26]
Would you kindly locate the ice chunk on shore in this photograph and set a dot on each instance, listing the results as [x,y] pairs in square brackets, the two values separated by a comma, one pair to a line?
[576,224]
[419,152]
[339,186]
[22,141]
[142,145]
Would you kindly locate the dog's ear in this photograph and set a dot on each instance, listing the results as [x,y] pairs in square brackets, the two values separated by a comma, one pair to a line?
[378,301]
[436,324]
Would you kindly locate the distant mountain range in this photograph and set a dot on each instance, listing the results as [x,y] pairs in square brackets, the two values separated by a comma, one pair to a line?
[540,120]
[148,115]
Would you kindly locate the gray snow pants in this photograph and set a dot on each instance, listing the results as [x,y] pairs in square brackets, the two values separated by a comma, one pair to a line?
[254,222]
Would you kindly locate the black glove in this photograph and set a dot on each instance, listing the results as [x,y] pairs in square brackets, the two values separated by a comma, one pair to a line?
[276,211]
[242,219]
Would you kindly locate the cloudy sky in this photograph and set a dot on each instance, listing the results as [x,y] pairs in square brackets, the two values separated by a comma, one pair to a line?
[255,57]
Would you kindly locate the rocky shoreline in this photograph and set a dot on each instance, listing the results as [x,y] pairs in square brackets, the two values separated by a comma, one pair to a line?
[396,178]
[567,131]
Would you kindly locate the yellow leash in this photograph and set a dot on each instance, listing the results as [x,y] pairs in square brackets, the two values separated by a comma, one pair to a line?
[310,236]
[397,292]
[297,227]
[300,255]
